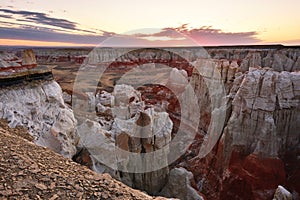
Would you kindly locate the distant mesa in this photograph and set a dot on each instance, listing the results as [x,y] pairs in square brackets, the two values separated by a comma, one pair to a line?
[10,62]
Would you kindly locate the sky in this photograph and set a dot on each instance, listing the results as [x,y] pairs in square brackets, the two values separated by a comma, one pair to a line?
[152,22]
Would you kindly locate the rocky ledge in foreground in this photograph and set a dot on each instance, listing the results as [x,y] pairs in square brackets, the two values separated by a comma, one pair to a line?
[29,171]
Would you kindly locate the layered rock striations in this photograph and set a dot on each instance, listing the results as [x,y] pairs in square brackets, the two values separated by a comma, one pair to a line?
[61,55]
[265,111]
[250,95]
[261,126]
[261,121]
[278,57]
[9,62]
[32,99]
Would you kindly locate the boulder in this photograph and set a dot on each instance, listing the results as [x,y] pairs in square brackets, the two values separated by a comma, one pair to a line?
[282,194]
[179,186]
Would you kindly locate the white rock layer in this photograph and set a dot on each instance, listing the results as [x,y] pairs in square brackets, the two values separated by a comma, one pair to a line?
[282,194]
[133,129]
[40,108]
[179,185]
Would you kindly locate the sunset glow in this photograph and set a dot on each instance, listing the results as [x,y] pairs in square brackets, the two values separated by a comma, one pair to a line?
[37,43]
[230,22]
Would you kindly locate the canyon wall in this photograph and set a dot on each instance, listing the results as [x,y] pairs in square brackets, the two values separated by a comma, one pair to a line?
[257,149]
[260,139]
[260,133]
[40,108]
[278,57]
[32,99]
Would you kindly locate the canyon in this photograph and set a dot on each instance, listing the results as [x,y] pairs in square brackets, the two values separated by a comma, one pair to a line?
[219,122]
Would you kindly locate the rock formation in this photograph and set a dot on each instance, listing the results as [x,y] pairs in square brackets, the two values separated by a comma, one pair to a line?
[32,99]
[278,57]
[179,185]
[28,58]
[41,109]
[126,125]
[260,122]
[282,194]
[9,62]
[265,99]
[250,95]
[262,125]
[61,55]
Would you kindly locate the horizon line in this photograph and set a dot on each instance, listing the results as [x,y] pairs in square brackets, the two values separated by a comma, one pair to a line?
[187,46]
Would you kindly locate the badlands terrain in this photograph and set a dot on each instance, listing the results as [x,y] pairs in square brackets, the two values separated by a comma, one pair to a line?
[29,171]
[237,108]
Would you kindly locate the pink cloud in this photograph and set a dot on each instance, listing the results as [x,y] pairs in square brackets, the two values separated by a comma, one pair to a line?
[206,35]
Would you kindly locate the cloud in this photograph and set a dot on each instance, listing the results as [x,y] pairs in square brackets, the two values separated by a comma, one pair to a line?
[29,25]
[44,19]
[41,18]
[206,35]
[6,16]
[41,27]
[35,34]
[48,35]
[19,12]
[165,32]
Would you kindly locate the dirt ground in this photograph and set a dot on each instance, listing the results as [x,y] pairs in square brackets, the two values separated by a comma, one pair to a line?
[28,171]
